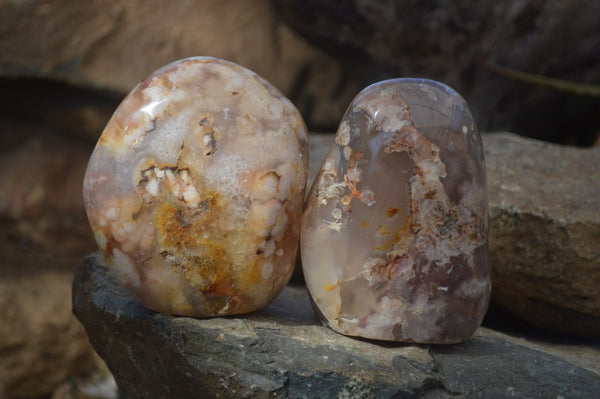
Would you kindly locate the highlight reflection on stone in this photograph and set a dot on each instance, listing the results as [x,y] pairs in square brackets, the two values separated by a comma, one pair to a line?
[394,236]
[195,189]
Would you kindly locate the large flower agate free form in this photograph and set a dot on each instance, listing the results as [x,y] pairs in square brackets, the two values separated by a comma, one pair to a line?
[394,237]
[195,189]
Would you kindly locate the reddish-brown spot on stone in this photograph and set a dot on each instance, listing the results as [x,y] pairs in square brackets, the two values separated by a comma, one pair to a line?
[391,212]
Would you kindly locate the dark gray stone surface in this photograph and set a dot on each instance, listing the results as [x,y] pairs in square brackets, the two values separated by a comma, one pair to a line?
[283,352]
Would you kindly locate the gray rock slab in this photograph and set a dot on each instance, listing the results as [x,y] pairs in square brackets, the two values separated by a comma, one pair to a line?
[283,352]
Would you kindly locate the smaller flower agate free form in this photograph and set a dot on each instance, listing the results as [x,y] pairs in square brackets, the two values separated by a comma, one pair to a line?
[194,191]
[394,236]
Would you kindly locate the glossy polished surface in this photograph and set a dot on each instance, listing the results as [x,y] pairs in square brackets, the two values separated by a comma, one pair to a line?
[394,236]
[194,190]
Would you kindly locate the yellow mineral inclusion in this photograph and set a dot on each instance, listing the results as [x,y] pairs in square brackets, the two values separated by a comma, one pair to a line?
[330,287]
[398,237]
[382,230]
[346,200]
[183,151]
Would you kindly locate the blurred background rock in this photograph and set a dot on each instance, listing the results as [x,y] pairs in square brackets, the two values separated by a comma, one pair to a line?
[65,65]
[480,49]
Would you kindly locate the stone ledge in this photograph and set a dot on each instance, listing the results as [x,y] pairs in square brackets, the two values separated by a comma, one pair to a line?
[283,352]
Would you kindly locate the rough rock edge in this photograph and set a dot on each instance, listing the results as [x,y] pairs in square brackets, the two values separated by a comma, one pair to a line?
[282,352]
[544,232]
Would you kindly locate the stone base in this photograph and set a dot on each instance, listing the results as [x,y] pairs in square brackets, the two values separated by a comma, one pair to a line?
[282,351]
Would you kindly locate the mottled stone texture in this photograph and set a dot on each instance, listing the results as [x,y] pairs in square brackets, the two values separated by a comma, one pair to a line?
[195,189]
[394,237]
[283,352]
[544,229]
[545,232]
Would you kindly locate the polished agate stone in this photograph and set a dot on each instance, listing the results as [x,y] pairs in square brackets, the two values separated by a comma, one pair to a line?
[195,189]
[394,235]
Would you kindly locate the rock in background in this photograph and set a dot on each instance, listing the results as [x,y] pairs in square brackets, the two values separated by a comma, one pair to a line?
[41,345]
[43,233]
[545,232]
[114,44]
[460,43]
